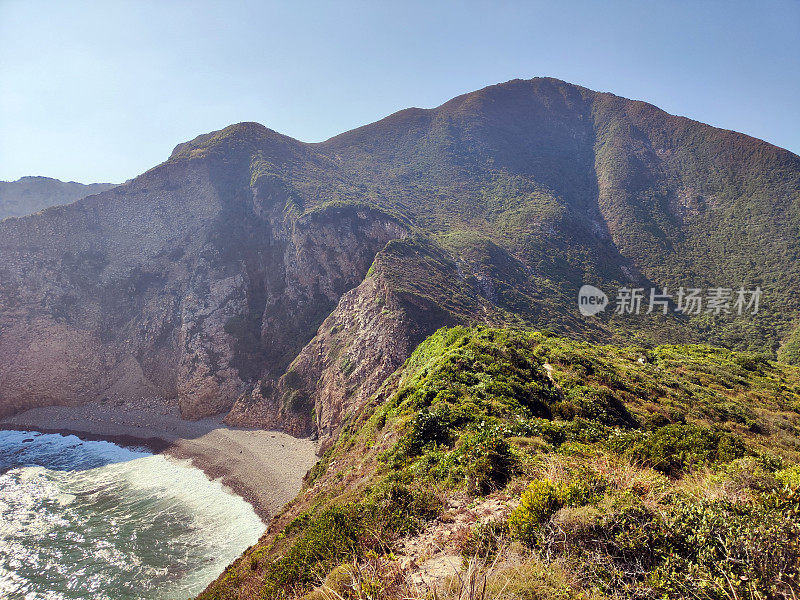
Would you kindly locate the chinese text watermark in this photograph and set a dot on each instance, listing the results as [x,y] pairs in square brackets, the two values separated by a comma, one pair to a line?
[684,300]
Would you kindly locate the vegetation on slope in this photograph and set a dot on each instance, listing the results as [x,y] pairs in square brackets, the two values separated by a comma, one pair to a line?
[790,351]
[533,188]
[619,472]
[543,185]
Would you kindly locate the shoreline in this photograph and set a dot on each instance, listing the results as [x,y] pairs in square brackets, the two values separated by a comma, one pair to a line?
[265,468]
[152,444]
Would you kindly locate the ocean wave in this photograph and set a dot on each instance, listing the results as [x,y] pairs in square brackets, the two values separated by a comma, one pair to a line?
[94,520]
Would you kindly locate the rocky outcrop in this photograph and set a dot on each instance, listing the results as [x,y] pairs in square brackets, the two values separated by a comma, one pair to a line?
[366,338]
[412,289]
[90,293]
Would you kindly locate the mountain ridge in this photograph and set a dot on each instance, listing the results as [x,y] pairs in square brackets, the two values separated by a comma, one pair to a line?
[509,464]
[32,193]
[248,271]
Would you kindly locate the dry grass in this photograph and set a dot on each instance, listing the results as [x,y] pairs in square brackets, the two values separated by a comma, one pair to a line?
[620,473]
[514,574]
[736,482]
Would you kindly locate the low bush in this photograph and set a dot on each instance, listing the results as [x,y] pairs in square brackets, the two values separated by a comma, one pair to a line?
[427,427]
[722,549]
[488,461]
[598,403]
[679,447]
[403,509]
[789,477]
[328,538]
[538,502]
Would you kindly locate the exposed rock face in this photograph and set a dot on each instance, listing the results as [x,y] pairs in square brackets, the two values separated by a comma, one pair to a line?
[281,282]
[140,291]
[371,332]
[28,195]
[100,281]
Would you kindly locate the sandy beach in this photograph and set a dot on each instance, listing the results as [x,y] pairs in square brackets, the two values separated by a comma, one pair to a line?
[266,468]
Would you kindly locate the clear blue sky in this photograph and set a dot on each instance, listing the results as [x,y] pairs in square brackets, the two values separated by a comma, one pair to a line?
[103,90]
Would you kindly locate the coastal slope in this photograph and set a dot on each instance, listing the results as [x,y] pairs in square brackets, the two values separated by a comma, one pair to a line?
[511,464]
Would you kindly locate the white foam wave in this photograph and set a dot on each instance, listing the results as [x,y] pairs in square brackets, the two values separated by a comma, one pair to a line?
[139,526]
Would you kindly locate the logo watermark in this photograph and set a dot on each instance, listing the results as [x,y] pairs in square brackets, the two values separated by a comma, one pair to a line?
[591,300]
[685,300]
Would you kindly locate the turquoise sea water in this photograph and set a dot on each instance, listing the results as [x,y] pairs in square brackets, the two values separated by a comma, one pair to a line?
[93,520]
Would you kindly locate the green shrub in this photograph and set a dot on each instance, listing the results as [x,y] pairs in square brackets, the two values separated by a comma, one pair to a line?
[721,550]
[751,361]
[676,448]
[539,502]
[328,538]
[789,477]
[403,509]
[599,404]
[488,460]
[790,351]
[616,540]
[586,487]
[427,428]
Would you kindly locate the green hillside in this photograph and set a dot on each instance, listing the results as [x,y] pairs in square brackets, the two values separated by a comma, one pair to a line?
[601,471]
[286,285]
[576,186]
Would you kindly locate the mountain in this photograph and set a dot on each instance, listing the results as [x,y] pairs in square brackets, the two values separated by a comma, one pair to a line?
[282,282]
[29,195]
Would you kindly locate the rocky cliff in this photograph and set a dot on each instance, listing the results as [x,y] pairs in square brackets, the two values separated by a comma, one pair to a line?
[168,286]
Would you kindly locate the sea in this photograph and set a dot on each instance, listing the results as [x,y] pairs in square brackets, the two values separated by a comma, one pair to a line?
[95,520]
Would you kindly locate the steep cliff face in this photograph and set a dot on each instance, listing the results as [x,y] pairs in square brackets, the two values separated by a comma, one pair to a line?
[372,331]
[412,289]
[281,282]
[173,286]
[91,293]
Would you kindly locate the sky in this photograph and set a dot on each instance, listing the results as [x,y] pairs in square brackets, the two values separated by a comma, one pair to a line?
[103,90]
